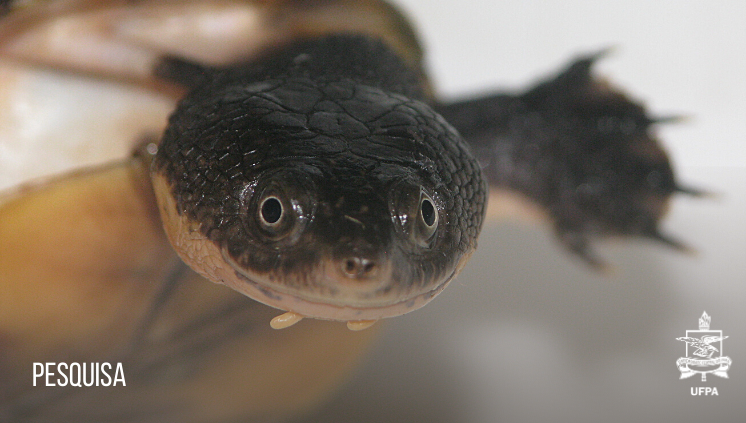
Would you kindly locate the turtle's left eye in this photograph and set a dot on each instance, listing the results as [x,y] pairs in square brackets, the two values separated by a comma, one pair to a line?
[427,220]
[427,213]
[277,214]
[416,212]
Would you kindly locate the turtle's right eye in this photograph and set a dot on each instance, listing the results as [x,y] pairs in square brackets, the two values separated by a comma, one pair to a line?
[276,214]
[276,209]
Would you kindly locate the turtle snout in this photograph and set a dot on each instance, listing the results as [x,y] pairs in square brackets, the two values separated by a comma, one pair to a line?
[359,267]
[359,262]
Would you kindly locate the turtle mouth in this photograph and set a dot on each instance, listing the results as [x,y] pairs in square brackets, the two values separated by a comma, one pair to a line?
[334,295]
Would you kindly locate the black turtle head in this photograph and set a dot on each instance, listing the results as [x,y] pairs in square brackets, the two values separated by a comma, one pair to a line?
[333,200]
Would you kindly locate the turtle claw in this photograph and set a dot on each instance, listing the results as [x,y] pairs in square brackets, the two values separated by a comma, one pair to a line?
[587,60]
[669,242]
[579,245]
[285,320]
[596,263]
[694,192]
[665,120]
[602,53]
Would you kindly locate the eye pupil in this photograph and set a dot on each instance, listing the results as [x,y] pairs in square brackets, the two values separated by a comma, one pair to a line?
[271,210]
[428,212]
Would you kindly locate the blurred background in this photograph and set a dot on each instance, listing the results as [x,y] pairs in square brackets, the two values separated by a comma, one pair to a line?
[527,333]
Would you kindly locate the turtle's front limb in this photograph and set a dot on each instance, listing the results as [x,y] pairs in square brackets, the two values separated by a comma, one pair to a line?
[583,152]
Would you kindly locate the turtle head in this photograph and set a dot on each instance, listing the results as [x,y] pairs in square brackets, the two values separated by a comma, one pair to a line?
[330,199]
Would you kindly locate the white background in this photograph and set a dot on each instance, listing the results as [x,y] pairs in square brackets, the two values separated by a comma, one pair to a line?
[528,334]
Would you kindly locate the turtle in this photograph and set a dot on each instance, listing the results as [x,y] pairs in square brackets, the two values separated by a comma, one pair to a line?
[177,171]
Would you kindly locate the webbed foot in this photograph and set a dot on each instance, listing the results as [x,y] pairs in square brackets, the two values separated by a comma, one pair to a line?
[582,151]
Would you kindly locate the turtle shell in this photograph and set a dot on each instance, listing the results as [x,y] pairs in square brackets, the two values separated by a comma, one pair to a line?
[88,275]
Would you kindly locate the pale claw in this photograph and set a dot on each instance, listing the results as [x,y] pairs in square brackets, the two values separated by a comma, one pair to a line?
[285,320]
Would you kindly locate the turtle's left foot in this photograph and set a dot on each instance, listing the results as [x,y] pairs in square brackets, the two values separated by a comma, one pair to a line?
[579,149]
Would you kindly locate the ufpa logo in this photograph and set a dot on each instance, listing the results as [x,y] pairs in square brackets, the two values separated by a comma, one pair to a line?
[704,352]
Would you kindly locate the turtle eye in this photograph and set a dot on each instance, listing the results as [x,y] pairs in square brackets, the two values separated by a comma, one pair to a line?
[278,217]
[271,212]
[427,213]
[427,220]
[275,216]
[275,210]
[415,213]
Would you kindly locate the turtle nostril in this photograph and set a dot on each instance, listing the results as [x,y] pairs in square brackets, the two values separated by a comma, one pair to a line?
[358,267]
[350,266]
